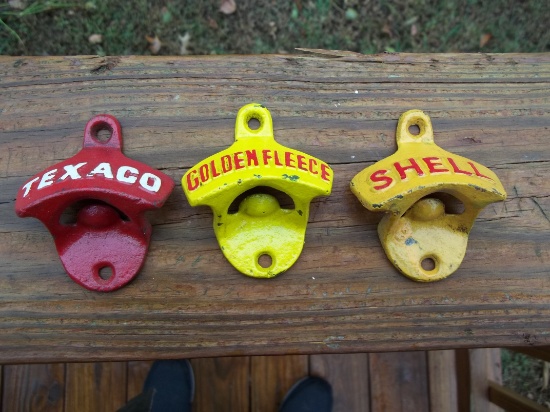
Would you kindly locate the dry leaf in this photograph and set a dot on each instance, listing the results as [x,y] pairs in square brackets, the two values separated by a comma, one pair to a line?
[95,38]
[17,4]
[212,23]
[484,39]
[414,30]
[154,44]
[228,6]
[184,43]
[545,375]
[387,29]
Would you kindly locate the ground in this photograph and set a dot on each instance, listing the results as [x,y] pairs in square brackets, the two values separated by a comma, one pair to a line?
[64,28]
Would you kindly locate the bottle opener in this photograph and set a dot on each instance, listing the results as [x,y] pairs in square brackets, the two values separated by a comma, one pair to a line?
[260,226]
[422,239]
[112,193]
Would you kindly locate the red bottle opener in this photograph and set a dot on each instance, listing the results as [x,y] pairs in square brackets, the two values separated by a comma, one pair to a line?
[112,192]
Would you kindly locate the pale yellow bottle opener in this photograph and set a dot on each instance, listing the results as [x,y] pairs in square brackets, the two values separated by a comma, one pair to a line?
[260,226]
[418,232]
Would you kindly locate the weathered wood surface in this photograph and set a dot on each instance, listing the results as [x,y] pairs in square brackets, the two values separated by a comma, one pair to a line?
[342,295]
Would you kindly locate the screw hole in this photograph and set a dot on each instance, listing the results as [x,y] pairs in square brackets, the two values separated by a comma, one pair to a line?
[265,260]
[105,272]
[428,264]
[414,129]
[254,124]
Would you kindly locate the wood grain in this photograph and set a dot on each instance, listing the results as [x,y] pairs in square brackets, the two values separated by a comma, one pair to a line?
[33,388]
[271,378]
[442,381]
[342,295]
[511,401]
[399,382]
[99,386]
[348,375]
[222,384]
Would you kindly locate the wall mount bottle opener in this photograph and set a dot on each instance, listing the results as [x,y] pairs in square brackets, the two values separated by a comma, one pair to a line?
[260,226]
[417,230]
[112,193]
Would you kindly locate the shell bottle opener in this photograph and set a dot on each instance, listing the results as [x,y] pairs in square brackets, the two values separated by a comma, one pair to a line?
[417,230]
[113,193]
[260,226]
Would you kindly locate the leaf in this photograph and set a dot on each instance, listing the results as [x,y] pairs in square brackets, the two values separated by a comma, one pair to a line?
[213,24]
[228,6]
[184,43]
[154,44]
[414,30]
[351,14]
[484,39]
[387,29]
[95,38]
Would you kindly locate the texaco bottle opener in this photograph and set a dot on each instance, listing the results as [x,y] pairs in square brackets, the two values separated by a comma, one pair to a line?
[260,226]
[417,227]
[113,192]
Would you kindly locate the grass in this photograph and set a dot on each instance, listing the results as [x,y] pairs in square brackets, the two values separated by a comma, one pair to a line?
[54,27]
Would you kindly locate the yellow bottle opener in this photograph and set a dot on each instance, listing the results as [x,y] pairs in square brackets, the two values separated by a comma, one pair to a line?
[260,226]
[418,232]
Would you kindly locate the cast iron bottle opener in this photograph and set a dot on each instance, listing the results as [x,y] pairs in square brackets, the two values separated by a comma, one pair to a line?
[113,192]
[417,229]
[260,226]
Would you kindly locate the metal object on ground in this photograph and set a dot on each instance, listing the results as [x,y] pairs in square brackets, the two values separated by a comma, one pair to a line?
[258,236]
[421,233]
[93,204]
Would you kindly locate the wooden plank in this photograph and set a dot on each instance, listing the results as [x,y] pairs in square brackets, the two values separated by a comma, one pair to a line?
[221,384]
[271,377]
[475,368]
[137,372]
[399,382]
[348,375]
[99,386]
[29,388]
[511,401]
[442,381]
[342,295]
[539,353]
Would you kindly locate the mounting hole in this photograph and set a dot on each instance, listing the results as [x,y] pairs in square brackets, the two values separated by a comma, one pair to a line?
[254,123]
[102,132]
[428,264]
[105,273]
[414,129]
[265,260]
[285,201]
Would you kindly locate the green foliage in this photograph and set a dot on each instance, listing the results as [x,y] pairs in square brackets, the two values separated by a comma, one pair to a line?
[59,27]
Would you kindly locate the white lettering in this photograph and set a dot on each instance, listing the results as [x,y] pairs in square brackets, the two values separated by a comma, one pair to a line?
[27,187]
[123,170]
[103,169]
[72,171]
[47,179]
[144,182]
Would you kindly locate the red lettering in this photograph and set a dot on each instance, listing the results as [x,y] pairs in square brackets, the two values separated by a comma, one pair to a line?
[455,167]
[226,163]
[192,182]
[378,176]
[289,162]
[239,162]
[402,169]
[277,161]
[267,156]
[205,175]
[477,172]
[432,163]
[325,172]
[213,168]
[251,156]
[313,166]
[302,163]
